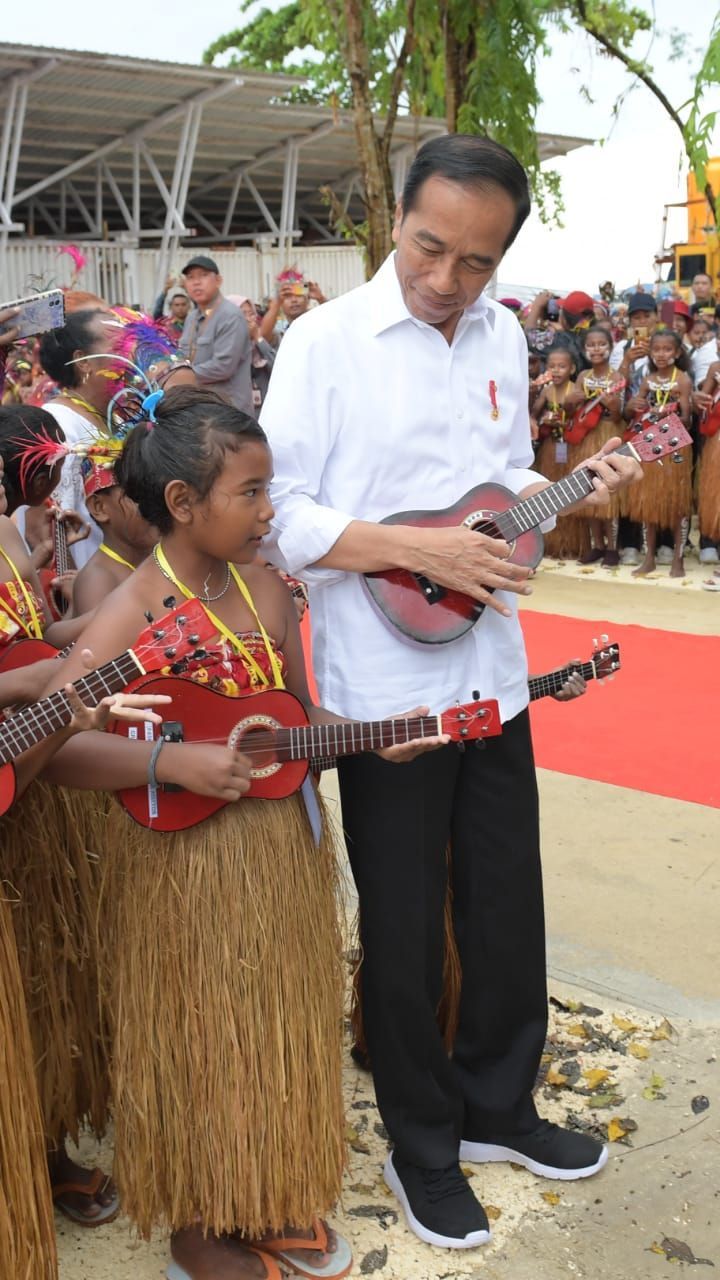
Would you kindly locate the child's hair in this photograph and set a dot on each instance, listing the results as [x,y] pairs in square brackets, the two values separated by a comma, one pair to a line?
[194,430]
[58,347]
[564,349]
[596,329]
[681,358]
[20,423]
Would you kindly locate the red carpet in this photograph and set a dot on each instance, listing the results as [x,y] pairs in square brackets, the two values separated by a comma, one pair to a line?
[655,727]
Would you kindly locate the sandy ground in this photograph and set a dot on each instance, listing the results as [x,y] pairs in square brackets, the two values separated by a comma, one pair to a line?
[632,938]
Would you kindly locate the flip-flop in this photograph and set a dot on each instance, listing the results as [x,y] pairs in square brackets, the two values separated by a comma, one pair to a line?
[272,1270]
[710,584]
[291,1251]
[98,1182]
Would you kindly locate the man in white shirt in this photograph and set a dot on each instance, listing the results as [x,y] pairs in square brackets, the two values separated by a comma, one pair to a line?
[404,394]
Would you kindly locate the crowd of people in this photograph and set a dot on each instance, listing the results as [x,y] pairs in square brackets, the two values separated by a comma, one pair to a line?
[190,983]
[638,359]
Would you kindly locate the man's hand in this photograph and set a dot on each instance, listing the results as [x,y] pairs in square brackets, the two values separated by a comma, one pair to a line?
[637,351]
[574,687]
[315,292]
[406,751]
[470,562]
[611,472]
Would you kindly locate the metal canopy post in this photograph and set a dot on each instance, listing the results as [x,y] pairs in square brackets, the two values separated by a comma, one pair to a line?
[289,196]
[11,141]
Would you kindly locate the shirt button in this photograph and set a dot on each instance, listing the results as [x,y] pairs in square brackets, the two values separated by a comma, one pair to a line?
[459,414]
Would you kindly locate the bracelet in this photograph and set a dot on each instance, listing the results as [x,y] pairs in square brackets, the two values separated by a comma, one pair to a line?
[152,780]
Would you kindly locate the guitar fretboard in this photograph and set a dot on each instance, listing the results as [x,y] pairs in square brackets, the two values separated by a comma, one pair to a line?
[533,511]
[37,722]
[553,681]
[308,742]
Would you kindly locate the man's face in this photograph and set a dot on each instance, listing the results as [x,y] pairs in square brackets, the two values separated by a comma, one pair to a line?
[643,320]
[294,304]
[448,247]
[203,286]
[702,287]
[179,307]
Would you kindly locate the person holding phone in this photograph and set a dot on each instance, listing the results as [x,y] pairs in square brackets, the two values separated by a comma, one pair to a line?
[291,301]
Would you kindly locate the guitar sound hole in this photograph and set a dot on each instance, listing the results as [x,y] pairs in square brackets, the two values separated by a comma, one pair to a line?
[489,528]
[254,737]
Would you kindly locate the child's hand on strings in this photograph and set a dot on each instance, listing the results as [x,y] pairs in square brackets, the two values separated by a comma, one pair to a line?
[406,751]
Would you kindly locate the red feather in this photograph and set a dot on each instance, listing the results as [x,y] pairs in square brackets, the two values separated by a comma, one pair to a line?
[44,453]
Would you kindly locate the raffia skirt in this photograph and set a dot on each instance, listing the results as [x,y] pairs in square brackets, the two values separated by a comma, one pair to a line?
[579,453]
[571,536]
[709,488]
[664,495]
[27,1232]
[48,844]
[224,982]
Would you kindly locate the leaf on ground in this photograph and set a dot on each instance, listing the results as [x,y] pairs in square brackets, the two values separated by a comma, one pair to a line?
[602,1100]
[374,1261]
[679,1251]
[353,1139]
[663,1031]
[577,1029]
[652,1091]
[467,1170]
[550,1197]
[556,1078]
[619,1127]
[493,1212]
[363,1188]
[596,1076]
[638,1050]
[624,1023]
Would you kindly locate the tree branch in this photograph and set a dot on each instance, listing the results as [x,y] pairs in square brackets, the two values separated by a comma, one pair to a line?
[616,52]
[398,80]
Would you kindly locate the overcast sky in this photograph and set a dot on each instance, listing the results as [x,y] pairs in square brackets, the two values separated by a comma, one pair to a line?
[614,193]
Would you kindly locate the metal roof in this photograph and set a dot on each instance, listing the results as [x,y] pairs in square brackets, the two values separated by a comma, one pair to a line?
[95,144]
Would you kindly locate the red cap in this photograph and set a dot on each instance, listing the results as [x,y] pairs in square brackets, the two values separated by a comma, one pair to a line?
[682,309]
[577,302]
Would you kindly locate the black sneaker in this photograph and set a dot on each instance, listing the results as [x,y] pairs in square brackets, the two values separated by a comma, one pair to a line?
[549,1151]
[439,1204]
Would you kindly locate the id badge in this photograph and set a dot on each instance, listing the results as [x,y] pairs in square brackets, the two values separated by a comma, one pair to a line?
[561,451]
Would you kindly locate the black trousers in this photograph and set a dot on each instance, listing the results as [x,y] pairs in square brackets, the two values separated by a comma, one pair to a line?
[398,820]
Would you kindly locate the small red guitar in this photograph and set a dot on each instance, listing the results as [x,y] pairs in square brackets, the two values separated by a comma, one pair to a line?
[587,416]
[273,729]
[173,637]
[603,663]
[59,565]
[22,653]
[433,614]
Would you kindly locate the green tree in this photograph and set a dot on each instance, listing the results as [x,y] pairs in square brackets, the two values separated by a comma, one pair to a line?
[472,61]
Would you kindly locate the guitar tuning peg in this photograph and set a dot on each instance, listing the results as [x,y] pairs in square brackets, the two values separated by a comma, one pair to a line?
[604,639]
[148,615]
[476,695]
[169,602]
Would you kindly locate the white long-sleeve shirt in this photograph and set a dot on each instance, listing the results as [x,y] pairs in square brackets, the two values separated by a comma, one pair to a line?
[370,412]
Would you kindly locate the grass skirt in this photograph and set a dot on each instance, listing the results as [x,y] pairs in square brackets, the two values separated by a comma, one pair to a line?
[27,1232]
[224,977]
[709,488]
[571,536]
[664,495]
[578,453]
[44,859]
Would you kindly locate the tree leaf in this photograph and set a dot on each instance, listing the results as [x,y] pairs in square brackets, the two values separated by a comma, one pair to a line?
[596,1076]
[550,1197]
[663,1031]
[577,1029]
[556,1078]
[638,1050]
[624,1023]
[493,1212]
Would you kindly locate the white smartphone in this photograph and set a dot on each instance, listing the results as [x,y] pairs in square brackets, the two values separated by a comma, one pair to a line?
[39,312]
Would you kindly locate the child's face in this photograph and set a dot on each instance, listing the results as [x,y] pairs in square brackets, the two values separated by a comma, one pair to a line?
[700,333]
[234,518]
[559,366]
[597,349]
[663,352]
[534,366]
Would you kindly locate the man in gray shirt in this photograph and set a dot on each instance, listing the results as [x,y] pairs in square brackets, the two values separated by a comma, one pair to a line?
[215,338]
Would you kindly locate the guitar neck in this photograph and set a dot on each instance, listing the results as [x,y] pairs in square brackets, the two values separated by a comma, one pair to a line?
[318,741]
[531,512]
[35,723]
[544,686]
[62,556]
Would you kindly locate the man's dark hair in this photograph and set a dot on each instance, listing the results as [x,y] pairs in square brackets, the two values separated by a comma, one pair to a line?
[471,161]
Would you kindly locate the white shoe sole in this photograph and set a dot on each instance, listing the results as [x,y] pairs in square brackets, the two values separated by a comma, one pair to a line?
[488,1153]
[423,1233]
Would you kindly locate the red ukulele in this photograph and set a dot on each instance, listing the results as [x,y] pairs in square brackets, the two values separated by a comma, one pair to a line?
[273,729]
[587,416]
[59,565]
[433,614]
[171,638]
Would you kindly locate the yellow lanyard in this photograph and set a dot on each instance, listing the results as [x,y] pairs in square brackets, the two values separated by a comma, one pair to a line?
[34,627]
[228,635]
[108,551]
[660,404]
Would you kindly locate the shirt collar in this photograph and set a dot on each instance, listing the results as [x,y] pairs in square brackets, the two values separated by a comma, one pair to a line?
[388,306]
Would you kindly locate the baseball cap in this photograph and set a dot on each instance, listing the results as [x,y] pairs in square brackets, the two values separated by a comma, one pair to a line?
[577,302]
[200,260]
[682,309]
[641,302]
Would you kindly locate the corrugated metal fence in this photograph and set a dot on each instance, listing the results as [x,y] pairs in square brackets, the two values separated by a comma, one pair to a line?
[122,274]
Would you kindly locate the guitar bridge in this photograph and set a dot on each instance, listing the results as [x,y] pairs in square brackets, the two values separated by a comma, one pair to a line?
[172,731]
[432,593]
